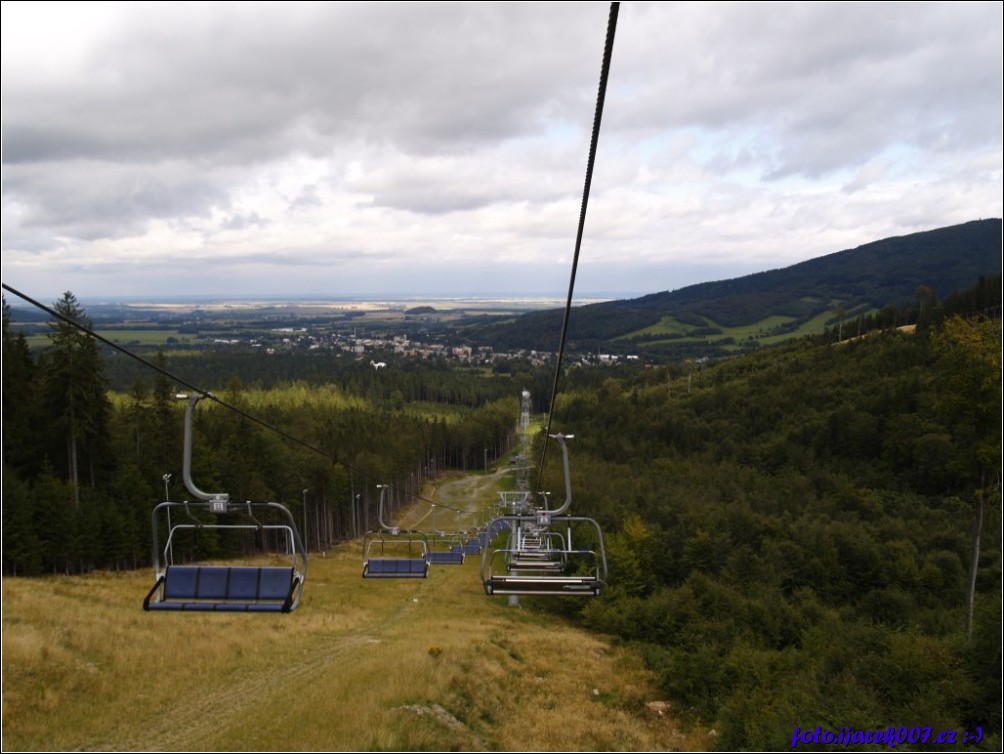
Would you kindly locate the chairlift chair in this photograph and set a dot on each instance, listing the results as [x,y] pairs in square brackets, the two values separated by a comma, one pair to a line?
[445,548]
[394,553]
[535,550]
[538,559]
[223,588]
[227,588]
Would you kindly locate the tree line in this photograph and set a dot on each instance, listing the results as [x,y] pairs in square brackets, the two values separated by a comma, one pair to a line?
[84,466]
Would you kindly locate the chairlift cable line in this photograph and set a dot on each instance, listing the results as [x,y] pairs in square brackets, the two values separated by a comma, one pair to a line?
[190,386]
[175,378]
[597,118]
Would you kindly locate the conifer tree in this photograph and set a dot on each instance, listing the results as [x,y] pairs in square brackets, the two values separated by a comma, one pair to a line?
[75,394]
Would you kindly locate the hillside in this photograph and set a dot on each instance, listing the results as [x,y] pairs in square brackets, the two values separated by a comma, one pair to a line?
[769,306]
[380,665]
[791,532]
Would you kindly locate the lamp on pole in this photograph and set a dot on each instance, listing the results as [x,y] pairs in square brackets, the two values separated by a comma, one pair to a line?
[306,539]
[167,497]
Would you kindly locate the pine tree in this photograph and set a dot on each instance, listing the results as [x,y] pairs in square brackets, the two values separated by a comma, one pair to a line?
[75,394]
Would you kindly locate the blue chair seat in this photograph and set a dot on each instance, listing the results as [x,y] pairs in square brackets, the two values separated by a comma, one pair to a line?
[396,568]
[224,588]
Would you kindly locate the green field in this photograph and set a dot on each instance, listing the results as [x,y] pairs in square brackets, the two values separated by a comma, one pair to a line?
[680,332]
[768,331]
[127,337]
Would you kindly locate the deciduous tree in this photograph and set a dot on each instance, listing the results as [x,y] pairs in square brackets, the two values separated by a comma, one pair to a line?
[969,353]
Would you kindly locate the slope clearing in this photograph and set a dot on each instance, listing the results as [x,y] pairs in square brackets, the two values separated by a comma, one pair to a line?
[424,664]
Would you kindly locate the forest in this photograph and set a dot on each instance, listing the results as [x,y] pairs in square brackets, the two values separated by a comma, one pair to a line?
[84,465]
[808,534]
[879,279]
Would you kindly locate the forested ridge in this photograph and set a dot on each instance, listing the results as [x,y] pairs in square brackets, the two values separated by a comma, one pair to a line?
[806,535]
[860,282]
[792,534]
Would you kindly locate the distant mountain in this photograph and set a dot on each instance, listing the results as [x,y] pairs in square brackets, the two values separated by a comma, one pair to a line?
[767,306]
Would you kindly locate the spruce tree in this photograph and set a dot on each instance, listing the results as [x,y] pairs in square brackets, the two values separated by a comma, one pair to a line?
[75,395]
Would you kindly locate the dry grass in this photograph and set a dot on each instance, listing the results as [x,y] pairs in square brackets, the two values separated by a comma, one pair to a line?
[424,664]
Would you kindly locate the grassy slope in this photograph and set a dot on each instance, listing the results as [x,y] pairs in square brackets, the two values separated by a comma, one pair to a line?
[362,665]
[760,331]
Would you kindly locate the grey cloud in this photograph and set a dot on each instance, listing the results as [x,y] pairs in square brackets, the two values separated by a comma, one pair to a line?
[470,121]
[242,221]
[439,186]
[245,83]
[306,199]
[88,201]
[826,85]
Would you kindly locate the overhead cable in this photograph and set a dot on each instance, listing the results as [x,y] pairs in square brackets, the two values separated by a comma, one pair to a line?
[597,119]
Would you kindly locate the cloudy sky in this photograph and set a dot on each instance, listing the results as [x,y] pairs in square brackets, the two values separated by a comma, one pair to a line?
[349,149]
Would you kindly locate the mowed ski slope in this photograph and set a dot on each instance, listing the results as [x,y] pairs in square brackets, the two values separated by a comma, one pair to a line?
[375,664]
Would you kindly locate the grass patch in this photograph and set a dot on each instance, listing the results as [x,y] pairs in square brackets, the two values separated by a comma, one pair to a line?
[768,331]
[667,325]
[411,664]
[353,669]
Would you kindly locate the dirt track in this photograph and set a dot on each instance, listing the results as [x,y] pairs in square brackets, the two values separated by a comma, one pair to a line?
[467,496]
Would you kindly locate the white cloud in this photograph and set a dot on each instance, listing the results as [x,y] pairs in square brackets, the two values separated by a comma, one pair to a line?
[358,145]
